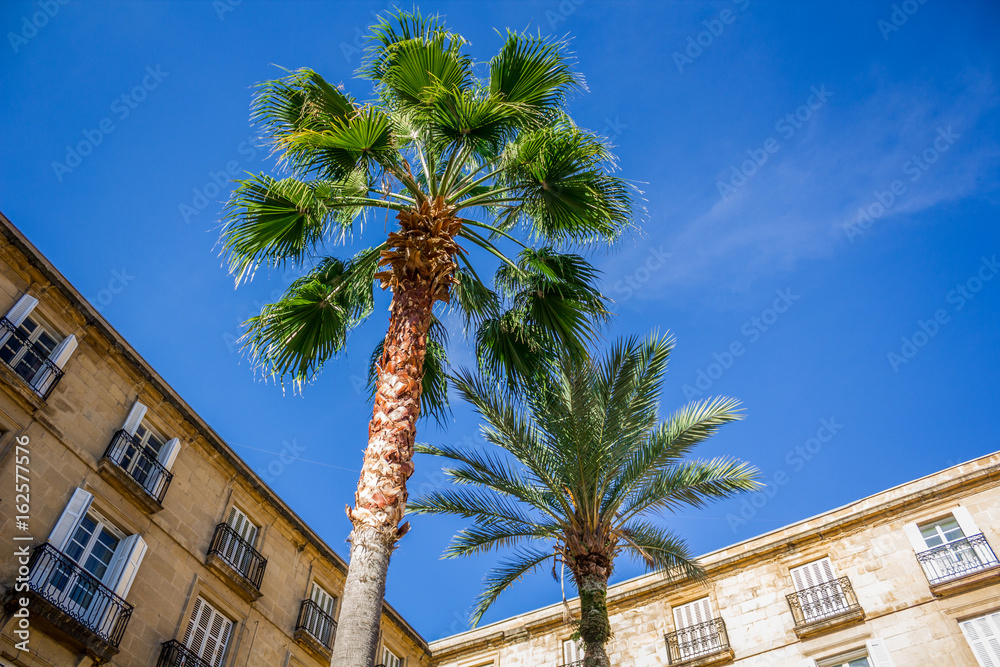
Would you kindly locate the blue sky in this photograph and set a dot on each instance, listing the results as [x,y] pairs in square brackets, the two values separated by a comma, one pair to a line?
[821,182]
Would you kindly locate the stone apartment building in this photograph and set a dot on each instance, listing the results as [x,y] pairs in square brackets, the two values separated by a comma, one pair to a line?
[904,578]
[145,541]
[131,533]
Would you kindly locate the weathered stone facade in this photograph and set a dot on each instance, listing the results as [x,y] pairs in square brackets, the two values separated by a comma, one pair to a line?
[66,438]
[900,618]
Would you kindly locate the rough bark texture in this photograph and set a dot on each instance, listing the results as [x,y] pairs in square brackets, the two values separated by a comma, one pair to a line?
[591,573]
[419,268]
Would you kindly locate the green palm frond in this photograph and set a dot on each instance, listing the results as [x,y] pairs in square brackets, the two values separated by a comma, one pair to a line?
[268,221]
[533,71]
[522,562]
[584,456]
[660,549]
[297,334]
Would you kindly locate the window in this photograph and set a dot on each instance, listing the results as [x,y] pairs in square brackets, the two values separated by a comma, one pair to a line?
[874,654]
[820,595]
[143,453]
[27,349]
[698,633]
[573,651]
[390,659]
[30,349]
[941,532]
[326,602]
[950,547]
[208,632]
[87,567]
[245,529]
[983,635]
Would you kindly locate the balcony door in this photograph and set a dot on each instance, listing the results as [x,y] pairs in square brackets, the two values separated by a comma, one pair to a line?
[238,552]
[694,637]
[573,651]
[321,627]
[953,554]
[208,633]
[27,351]
[390,659]
[820,594]
[92,546]
[140,452]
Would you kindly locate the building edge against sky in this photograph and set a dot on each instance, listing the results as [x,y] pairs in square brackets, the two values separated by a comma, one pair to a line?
[164,547]
[163,544]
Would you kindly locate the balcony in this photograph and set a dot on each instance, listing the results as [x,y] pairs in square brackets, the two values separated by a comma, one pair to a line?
[576,663]
[72,604]
[703,644]
[133,471]
[315,630]
[27,360]
[175,654]
[236,559]
[960,565]
[820,608]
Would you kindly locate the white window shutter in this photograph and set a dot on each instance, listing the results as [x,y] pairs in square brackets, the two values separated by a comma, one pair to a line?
[917,540]
[20,311]
[77,506]
[135,416]
[983,635]
[965,521]
[168,453]
[192,625]
[693,613]
[124,564]
[878,653]
[62,352]
[59,356]
[812,574]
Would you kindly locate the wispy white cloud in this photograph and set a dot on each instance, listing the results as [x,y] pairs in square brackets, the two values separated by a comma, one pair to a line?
[795,206]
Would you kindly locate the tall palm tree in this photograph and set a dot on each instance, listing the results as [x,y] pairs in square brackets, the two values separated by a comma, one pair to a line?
[476,170]
[581,463]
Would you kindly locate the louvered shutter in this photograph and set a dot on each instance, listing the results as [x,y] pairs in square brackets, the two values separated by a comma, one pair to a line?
[983,635]
[693,613]
[168,453]
[813,574]
[208,633]
[124,564]
[878,653]
[323,600]
[20,310]
[573,651]
[135,417]
[242,525]
[190,632]
[77,506]
[59,356]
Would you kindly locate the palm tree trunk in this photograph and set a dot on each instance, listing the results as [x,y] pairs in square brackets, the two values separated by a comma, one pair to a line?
[380,501]
[595,628]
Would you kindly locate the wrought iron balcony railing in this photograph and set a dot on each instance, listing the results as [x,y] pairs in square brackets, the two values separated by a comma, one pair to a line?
[60,581]
[575,663]
[697,641]
[957,559]
[28,360]
[824,601]
[317,623]
[238,553]
[128,455]
[175,654]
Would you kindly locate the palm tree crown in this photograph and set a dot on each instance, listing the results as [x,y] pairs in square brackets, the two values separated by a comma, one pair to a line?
[582,462]
[473,168]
